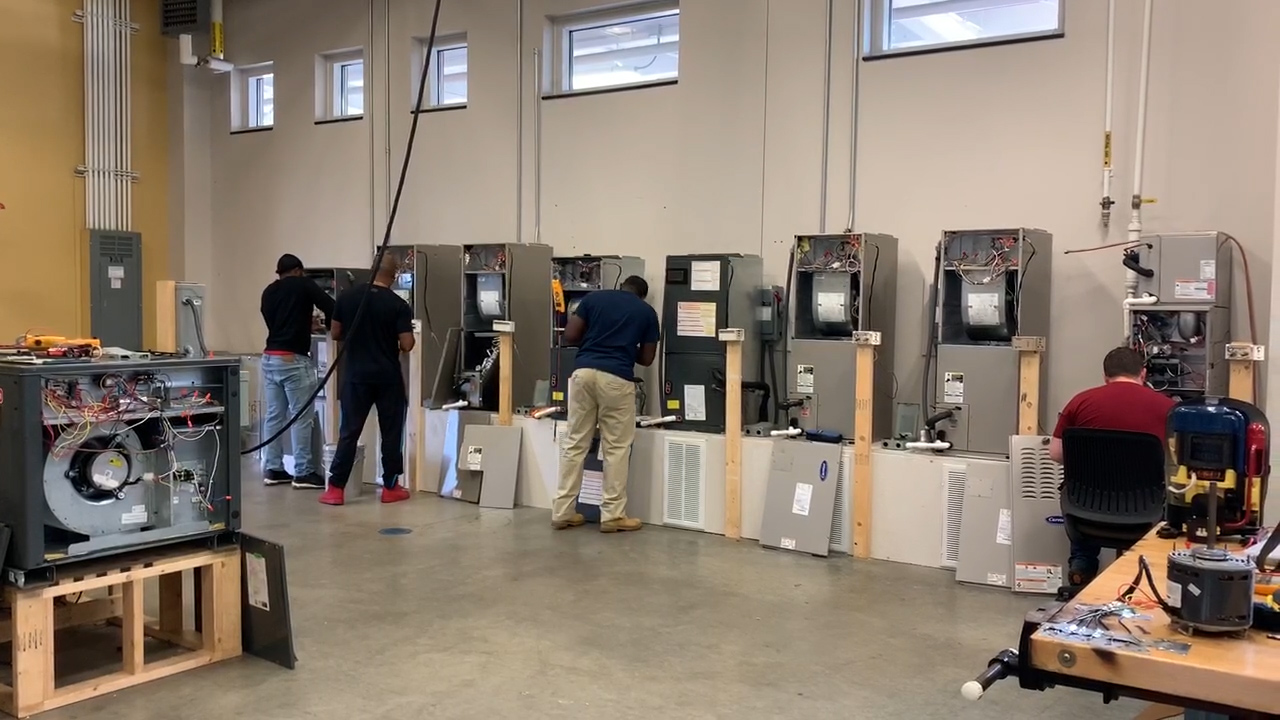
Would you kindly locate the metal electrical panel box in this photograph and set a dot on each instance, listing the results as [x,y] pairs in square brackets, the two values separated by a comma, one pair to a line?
[1184,334]
[840,284]
[800,500]
[577,277]
[430,280]
[507,282]
[115,288]
[190,331]
[993,285]
[704,294]
[161,466]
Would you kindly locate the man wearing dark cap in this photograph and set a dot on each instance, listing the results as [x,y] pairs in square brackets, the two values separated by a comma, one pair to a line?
[288,373]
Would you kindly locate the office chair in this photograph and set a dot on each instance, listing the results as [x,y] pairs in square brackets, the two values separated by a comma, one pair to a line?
[1113,489]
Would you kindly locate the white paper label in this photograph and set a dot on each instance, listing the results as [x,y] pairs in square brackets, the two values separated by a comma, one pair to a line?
[1173,593]
[997,579]
[953,387]
[116,283]
[803,497]
[133,518]
[1004,528]
[592,492]
[831,308]
[475,454]
[1193,289]
[1036,577]
[804,378]
[788,543]
[696,319]
[255,567]
[704,276]
[1191,588]
[115,272]
[457,493]
[490,303]
[1208,269]
[984,309]
[695,403]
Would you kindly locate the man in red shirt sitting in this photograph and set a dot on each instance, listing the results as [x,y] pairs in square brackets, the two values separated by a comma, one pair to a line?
[1122,402]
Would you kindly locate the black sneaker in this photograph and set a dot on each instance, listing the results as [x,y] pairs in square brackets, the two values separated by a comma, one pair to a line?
[276,477]
[310,481]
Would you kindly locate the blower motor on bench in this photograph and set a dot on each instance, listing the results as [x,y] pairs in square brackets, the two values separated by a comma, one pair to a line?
[1226,443]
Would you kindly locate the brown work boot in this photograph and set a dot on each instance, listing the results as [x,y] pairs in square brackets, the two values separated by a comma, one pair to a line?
[574,520]
[625,524]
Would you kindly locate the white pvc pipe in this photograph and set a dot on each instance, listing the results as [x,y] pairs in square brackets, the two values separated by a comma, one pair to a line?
[931,445]
[90,218]
[127,38]
[117,66]
[1107,172]
[826,119]
[455,405]
[789,432]
[651,422]
[1135,202]
[537,148]
[107,69]
[853,110]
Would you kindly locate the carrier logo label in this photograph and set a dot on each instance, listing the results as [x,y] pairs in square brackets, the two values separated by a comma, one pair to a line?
[1055,520]
[822,471]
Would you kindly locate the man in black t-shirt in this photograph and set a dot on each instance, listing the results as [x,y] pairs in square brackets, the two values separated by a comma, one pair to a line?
[370,378]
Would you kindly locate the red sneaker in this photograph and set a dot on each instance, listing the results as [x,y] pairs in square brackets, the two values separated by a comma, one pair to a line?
[331,496]
[395,494]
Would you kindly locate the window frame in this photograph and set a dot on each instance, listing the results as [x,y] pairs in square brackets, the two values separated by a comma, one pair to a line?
[878,21]
[247,97]
[561,33]
[331,68]
[432,100]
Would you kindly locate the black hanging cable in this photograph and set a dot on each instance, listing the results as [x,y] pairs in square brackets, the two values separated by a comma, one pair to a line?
[386,237]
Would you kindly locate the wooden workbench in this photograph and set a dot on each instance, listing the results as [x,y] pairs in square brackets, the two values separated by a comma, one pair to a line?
[1241,673]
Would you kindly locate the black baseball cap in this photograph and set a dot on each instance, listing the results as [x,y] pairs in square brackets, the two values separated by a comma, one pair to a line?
[288,262]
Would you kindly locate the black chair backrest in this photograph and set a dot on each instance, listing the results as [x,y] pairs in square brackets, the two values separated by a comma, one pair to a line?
[1113,476]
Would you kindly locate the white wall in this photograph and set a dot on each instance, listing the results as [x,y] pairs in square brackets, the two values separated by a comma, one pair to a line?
[730,158]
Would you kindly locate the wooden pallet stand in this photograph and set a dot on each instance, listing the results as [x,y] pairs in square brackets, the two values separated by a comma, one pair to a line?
[33,616]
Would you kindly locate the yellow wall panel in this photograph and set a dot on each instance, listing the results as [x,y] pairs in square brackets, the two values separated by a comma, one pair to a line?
[43,240]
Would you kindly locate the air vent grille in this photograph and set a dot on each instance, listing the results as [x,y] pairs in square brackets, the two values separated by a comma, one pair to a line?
[953,482]
[683,498]
[1037,475]
[179,17]
[840,517]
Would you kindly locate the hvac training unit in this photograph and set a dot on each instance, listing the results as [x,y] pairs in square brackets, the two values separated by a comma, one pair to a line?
[1182,320]
[430,280]
[842,283]
[704,294]
[503,282]
[573,278]
[105,457]
[989,286]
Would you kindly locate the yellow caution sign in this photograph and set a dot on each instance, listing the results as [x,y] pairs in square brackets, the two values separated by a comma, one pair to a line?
[1106,150]
[215,40]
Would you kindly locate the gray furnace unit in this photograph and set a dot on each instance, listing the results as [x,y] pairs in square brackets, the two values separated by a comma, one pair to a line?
[1185,333]
[842,283]
[430,280]
[503,282]
[990,286]
[115,288]
[704,294]
[578,277]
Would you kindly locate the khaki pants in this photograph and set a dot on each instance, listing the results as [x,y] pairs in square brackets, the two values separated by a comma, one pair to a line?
[597,399]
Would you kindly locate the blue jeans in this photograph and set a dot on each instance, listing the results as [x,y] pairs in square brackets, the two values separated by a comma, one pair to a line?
[1084,561]
[289,381]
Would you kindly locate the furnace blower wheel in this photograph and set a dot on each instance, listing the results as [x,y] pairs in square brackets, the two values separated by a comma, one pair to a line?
[100,467]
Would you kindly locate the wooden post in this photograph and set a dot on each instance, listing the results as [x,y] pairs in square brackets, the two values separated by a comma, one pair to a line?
[1241,358]
[166,316]
[732,338]
[1029,350]
[413,416]
[506,359]
[865,343]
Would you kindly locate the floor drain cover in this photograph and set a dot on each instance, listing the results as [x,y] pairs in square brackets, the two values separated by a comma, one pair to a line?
[394,531]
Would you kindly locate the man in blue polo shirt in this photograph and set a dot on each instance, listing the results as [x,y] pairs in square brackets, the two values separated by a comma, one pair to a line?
[614,330]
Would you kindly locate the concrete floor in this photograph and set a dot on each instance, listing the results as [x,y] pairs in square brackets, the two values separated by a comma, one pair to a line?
[490,614]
